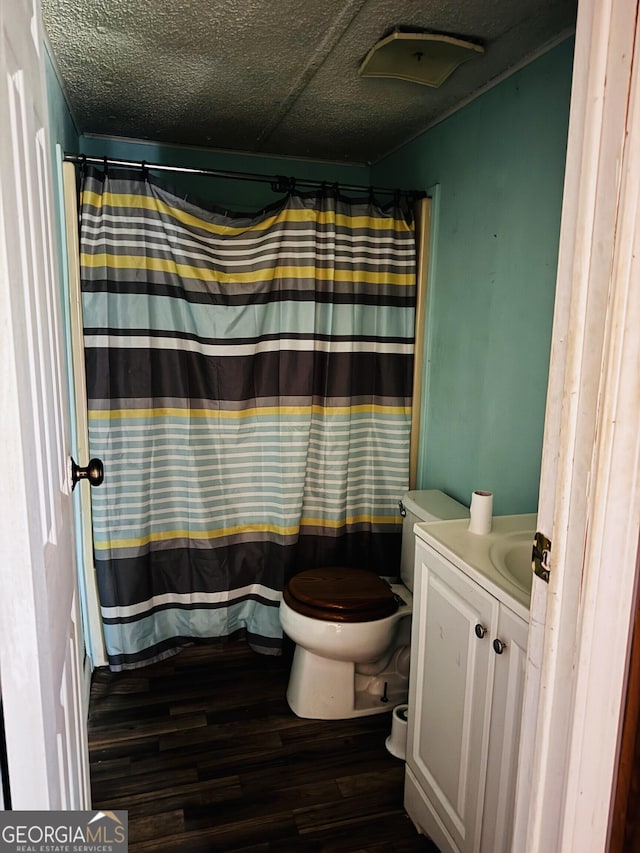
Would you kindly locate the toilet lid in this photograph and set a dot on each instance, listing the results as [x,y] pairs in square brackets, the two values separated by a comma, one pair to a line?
[340,595]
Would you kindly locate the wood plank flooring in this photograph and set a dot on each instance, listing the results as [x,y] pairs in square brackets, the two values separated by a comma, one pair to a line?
[205,754]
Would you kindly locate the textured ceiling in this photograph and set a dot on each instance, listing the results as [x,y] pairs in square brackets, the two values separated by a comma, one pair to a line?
[276,76]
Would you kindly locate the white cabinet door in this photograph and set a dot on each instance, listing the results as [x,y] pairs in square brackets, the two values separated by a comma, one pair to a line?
[452,664]
[504,733]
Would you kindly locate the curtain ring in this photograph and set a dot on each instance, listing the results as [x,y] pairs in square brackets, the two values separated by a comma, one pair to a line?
[145,171]
[105,164]
[280,184]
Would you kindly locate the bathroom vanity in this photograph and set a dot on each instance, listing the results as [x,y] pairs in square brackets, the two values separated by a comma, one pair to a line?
[468,654]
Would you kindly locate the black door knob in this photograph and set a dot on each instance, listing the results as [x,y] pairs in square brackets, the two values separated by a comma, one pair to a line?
[499,646]
[94,472]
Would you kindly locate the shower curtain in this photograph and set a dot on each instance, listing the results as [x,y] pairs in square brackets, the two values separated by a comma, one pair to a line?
[249,392]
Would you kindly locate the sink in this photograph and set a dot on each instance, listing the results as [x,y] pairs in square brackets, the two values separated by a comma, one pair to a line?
[511,557]
[500,561]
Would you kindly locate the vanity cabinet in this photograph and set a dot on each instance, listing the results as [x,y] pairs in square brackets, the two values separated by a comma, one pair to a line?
[468,654]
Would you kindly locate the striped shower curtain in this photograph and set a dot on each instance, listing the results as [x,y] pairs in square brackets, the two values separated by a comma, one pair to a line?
[249,387]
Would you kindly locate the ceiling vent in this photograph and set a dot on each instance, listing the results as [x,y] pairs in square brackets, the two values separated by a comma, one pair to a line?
[418,57]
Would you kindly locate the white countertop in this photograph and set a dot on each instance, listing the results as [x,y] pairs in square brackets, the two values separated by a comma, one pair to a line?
[470,552]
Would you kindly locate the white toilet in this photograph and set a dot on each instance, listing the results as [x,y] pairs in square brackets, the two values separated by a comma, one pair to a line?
[352,628]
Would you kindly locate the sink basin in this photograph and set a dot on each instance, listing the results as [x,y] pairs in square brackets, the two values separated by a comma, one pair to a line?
[511,557]
[499,561]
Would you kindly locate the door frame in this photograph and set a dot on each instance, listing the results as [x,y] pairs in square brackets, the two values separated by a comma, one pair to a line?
[590,480]
[93,629]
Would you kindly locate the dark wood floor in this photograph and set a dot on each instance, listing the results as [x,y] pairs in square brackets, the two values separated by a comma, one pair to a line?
[204,753]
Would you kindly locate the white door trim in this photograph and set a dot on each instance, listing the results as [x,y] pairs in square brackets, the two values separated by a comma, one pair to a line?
[590,488]
[94,635]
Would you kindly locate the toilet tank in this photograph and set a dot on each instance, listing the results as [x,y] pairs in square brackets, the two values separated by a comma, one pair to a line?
[418,506]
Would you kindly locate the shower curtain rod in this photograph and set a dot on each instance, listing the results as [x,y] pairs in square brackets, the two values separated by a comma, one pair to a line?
[279,183]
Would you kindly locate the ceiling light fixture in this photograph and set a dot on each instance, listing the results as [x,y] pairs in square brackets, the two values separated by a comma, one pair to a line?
[423,58]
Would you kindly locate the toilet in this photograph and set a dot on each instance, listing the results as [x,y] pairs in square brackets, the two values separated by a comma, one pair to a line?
[352,628]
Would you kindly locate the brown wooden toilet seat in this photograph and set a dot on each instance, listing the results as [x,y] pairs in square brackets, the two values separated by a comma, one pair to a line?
[340,595]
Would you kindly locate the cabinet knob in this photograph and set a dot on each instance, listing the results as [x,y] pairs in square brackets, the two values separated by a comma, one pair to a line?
[499,646]
[480,631]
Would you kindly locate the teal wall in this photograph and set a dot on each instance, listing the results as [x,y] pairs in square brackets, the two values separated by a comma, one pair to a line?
[234,195]
[62,129]
[497,167]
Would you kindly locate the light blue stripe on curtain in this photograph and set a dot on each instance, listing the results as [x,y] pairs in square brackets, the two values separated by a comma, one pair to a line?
[205,322]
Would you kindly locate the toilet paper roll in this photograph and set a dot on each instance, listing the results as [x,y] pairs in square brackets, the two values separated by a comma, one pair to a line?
[396,743]
[480,512]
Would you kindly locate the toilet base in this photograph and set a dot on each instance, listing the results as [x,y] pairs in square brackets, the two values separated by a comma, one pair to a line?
[324,689]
